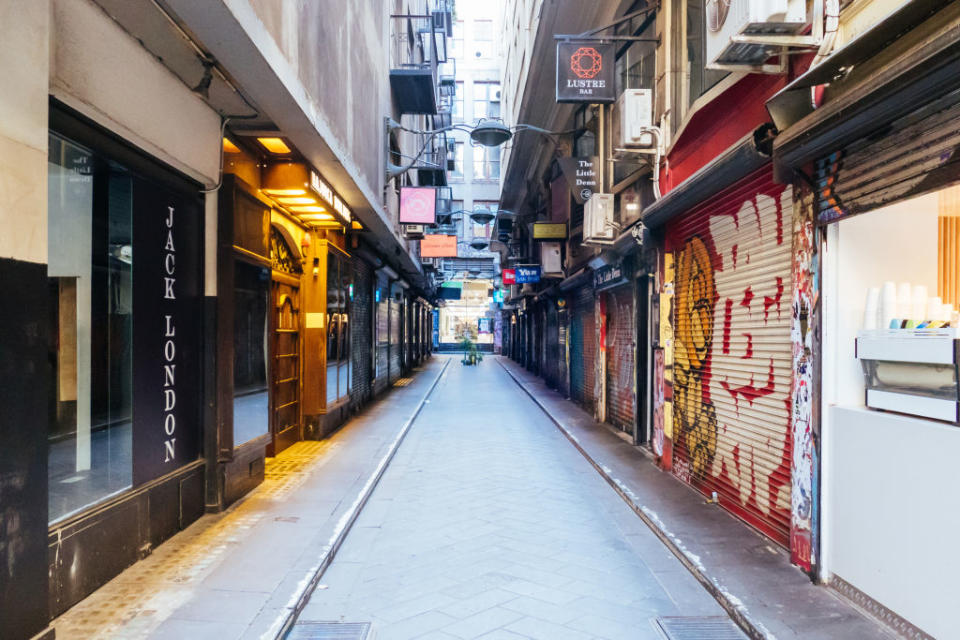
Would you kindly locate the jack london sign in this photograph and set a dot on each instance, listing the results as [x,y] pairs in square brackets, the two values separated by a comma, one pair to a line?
[585,72]
[167,367]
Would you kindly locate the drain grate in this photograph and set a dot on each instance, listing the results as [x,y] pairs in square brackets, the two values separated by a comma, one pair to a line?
[700,628]
[329,631]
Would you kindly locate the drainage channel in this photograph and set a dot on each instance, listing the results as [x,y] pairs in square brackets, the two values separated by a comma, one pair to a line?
[288,628]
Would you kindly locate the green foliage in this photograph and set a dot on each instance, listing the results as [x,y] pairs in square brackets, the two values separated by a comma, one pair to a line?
[471,355]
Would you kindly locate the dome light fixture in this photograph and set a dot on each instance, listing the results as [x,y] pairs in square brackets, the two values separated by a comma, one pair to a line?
[490,133]
[482,216]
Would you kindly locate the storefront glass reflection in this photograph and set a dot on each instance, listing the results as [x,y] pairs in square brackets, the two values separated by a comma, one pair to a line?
[90,286]
[251,416]
[338,328]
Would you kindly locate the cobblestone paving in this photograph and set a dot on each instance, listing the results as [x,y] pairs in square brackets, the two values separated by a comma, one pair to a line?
[489,524]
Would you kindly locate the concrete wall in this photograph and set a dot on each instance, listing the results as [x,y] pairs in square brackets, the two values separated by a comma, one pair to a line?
[24,57]
[101,71]
[342,65]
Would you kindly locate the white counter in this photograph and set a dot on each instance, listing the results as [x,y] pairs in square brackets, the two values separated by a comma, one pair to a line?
[891,517]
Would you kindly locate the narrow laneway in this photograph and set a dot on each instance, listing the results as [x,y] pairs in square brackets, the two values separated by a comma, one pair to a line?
[488,523]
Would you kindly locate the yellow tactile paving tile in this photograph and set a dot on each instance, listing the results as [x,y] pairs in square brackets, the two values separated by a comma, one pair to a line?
[134,603]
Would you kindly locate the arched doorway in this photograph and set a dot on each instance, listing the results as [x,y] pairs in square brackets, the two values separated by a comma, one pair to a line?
[285,344]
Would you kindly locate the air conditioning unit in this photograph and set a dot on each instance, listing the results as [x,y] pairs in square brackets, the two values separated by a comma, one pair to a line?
[633,113]
[413,231]
[749,32]
[598,223]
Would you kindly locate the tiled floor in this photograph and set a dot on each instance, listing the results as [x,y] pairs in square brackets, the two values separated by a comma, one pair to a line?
[488,524]
[233,575]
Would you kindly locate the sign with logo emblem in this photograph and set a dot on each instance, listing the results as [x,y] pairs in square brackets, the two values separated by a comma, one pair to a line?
[509,276]
[585,72]
[582,175]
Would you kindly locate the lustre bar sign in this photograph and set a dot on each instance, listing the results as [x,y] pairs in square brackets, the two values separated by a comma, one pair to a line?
[585,72]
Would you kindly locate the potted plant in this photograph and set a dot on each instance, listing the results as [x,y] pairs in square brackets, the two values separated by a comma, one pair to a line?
[471,355]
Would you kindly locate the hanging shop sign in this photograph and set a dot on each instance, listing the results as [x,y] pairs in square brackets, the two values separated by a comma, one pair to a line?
[549,230]
[418,205]
[585,72]
[582,175]
[301,191]
[528,275]
[438,246]
[509,276]
[484,325]
[609,276]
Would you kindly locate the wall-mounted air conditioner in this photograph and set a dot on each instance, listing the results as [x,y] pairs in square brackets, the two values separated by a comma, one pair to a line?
[413,231]
[749,32]
[598,223]
[631,120]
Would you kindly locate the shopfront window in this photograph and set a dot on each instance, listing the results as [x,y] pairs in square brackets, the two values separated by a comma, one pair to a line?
[338,327]
[91,293]
[891,302]
[251,403]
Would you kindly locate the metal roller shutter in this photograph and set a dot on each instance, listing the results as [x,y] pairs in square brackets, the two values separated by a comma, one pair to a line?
[551,369]
[361,338]
[583,348]
[916,154]
[733,354]
[621,357]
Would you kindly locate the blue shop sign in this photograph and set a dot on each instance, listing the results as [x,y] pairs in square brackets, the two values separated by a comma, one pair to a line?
[527,274]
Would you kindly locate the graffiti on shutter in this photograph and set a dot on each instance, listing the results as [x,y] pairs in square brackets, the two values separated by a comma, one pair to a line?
[621,356]
[733,359]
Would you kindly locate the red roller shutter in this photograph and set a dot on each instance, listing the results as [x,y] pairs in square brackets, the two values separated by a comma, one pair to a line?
[621,357]
[733,353]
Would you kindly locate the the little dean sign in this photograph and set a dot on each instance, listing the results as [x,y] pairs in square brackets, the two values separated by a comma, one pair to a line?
[585,72]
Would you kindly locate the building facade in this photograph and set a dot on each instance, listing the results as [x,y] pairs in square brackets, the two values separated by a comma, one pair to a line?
[202,261]
[733,253]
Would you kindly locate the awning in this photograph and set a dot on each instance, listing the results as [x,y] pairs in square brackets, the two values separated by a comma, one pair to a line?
[792,102]
[919,65]
[579,278]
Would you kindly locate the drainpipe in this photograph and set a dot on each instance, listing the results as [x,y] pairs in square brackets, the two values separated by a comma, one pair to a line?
[832,24]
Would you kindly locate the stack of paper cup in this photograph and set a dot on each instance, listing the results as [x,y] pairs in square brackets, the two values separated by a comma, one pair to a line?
[888,304]
[871,310]
[918,303]
[946,313]
[904,300]
[934,308]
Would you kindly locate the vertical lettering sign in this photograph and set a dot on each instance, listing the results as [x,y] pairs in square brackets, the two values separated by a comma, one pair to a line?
[585,72]
[167,375]
[582,175]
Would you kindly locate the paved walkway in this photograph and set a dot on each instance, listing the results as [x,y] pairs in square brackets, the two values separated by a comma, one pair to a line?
[238,574]
[489,524]
[749,575]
